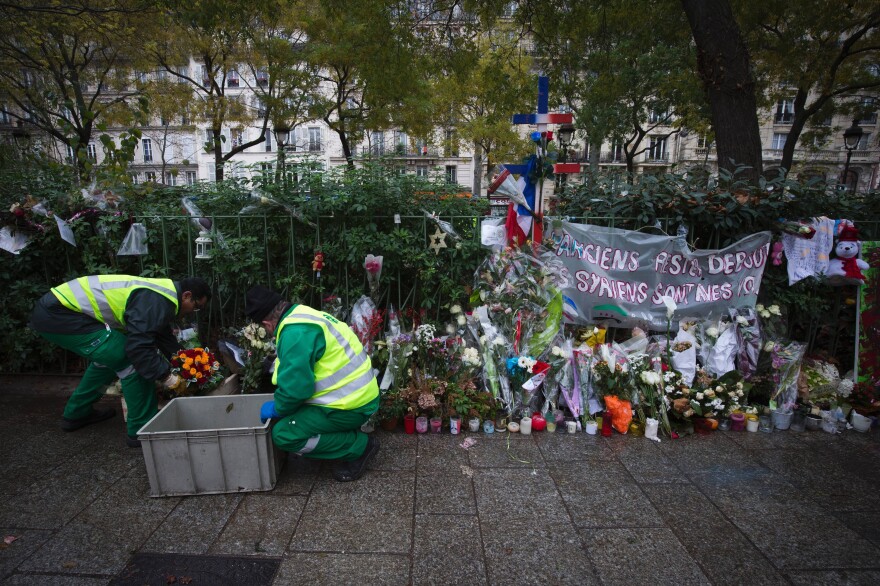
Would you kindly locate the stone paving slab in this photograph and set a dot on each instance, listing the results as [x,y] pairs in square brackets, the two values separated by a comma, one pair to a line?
[727,508]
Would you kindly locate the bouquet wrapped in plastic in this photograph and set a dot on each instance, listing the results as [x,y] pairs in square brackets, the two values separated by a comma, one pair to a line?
[373,266]
[366,322]
[683,352]
[785,361]
[748,336]
[720,347]
[400,348]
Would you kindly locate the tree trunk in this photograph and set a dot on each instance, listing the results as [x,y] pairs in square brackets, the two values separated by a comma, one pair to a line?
[346,147]
[595,153]
[478,170]
[218,154]
[797,126]
[725,70]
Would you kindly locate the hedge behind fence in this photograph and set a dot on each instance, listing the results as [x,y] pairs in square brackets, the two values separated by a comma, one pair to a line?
[349,214]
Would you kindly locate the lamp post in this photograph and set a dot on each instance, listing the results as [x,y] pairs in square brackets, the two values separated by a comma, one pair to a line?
[282,134]
[851,138]
[566,133]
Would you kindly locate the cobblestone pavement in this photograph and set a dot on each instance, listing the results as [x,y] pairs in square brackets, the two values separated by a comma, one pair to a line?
[727,508]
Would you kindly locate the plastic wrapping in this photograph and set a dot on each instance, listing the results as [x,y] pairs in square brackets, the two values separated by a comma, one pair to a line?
[748,336]
[719,347]
[262,204]
[366,322]
[101,199]
[786,361]
[400,348]
[373,266]
[684,351]
[506,185]
[135,242]
[444,226]
[12,240]
[620,412]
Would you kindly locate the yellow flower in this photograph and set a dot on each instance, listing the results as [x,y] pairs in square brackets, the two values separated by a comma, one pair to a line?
[192,371]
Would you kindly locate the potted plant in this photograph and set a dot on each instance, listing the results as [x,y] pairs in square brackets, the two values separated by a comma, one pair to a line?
[391,408]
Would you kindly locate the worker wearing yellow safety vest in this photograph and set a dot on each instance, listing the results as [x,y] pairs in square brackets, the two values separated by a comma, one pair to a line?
[325,386]
[123,325]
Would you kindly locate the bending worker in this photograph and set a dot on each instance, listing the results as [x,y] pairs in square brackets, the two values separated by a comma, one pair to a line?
[124,326]
[325,384]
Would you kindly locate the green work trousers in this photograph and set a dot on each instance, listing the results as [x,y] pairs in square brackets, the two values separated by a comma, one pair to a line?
[106,351]
[322,433]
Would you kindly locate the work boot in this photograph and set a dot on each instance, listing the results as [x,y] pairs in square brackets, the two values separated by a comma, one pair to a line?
[349,471]
[97,415]
[132,441]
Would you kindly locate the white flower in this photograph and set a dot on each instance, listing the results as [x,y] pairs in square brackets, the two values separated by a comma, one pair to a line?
[764,313]
[557,351]
[845,387]
[498,341]
[759,307]
[742,321]
[712,332]
[774,309]
[471,357]
[710,393]
[699,396]
[522,362]
[450,329]
[483,340]
[669,302]
[483,295]
[768,347]
[719,389]
[668,376]
[649,377]
[261,332]
[670,389]
[455,309]
[461,319]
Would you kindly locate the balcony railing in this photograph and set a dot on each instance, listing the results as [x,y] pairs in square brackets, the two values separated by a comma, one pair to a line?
[656,157]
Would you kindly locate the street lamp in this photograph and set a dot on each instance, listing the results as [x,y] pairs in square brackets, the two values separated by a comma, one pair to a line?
[852,136]
[282,134]
[566,133]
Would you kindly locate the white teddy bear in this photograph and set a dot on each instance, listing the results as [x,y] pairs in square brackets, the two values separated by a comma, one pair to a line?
[847,264]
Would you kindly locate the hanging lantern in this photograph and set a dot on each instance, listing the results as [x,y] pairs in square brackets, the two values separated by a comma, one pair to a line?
[204,244]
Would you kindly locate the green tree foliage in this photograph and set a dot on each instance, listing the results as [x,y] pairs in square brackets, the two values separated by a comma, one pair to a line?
[478,100]
[627,69]
[822,55]
[373,64]
[64,69]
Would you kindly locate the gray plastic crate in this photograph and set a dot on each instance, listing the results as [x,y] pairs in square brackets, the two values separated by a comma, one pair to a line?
[210,445]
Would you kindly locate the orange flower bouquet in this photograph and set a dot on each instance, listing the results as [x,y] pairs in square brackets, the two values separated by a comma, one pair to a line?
[198,367]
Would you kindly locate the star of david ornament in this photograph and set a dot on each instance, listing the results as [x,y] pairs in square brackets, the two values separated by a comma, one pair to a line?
[438,241]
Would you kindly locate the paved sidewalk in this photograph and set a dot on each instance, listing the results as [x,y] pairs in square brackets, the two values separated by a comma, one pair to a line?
[729,508]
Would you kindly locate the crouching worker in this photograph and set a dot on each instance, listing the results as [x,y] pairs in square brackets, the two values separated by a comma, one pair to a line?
[325,388]
[124,325]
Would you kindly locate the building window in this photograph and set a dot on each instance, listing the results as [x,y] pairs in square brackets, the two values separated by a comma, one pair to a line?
[70,156]
[135,178]
[450,147]
[863,142]
[868,111]
[314,139]
[232,79]
[784,112]
[655,116]
[148,150]
[702,142]
[617,153]
[451,174]
[170,178]
[237,137]
[400,142]
[268,142]
[779,139]
[191,178]
[93,156]
[4,117]
[206,75]
[421,170]
[266,170]
[150,176]
[657,148]
[262,78]
[377,143]
[420,146]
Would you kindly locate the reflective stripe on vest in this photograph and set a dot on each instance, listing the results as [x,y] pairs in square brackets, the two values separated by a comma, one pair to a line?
[104,297]
[334,386]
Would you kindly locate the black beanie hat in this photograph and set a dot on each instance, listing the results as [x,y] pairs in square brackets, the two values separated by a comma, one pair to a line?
[259,302]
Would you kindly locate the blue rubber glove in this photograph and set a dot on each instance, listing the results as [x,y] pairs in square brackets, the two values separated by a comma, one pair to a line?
[267,411]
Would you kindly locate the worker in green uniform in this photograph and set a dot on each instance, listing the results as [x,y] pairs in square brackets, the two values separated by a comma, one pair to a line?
[325,386]
[123,325]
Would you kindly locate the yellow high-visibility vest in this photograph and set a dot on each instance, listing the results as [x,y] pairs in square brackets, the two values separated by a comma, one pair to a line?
[104,297]
[344,374]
